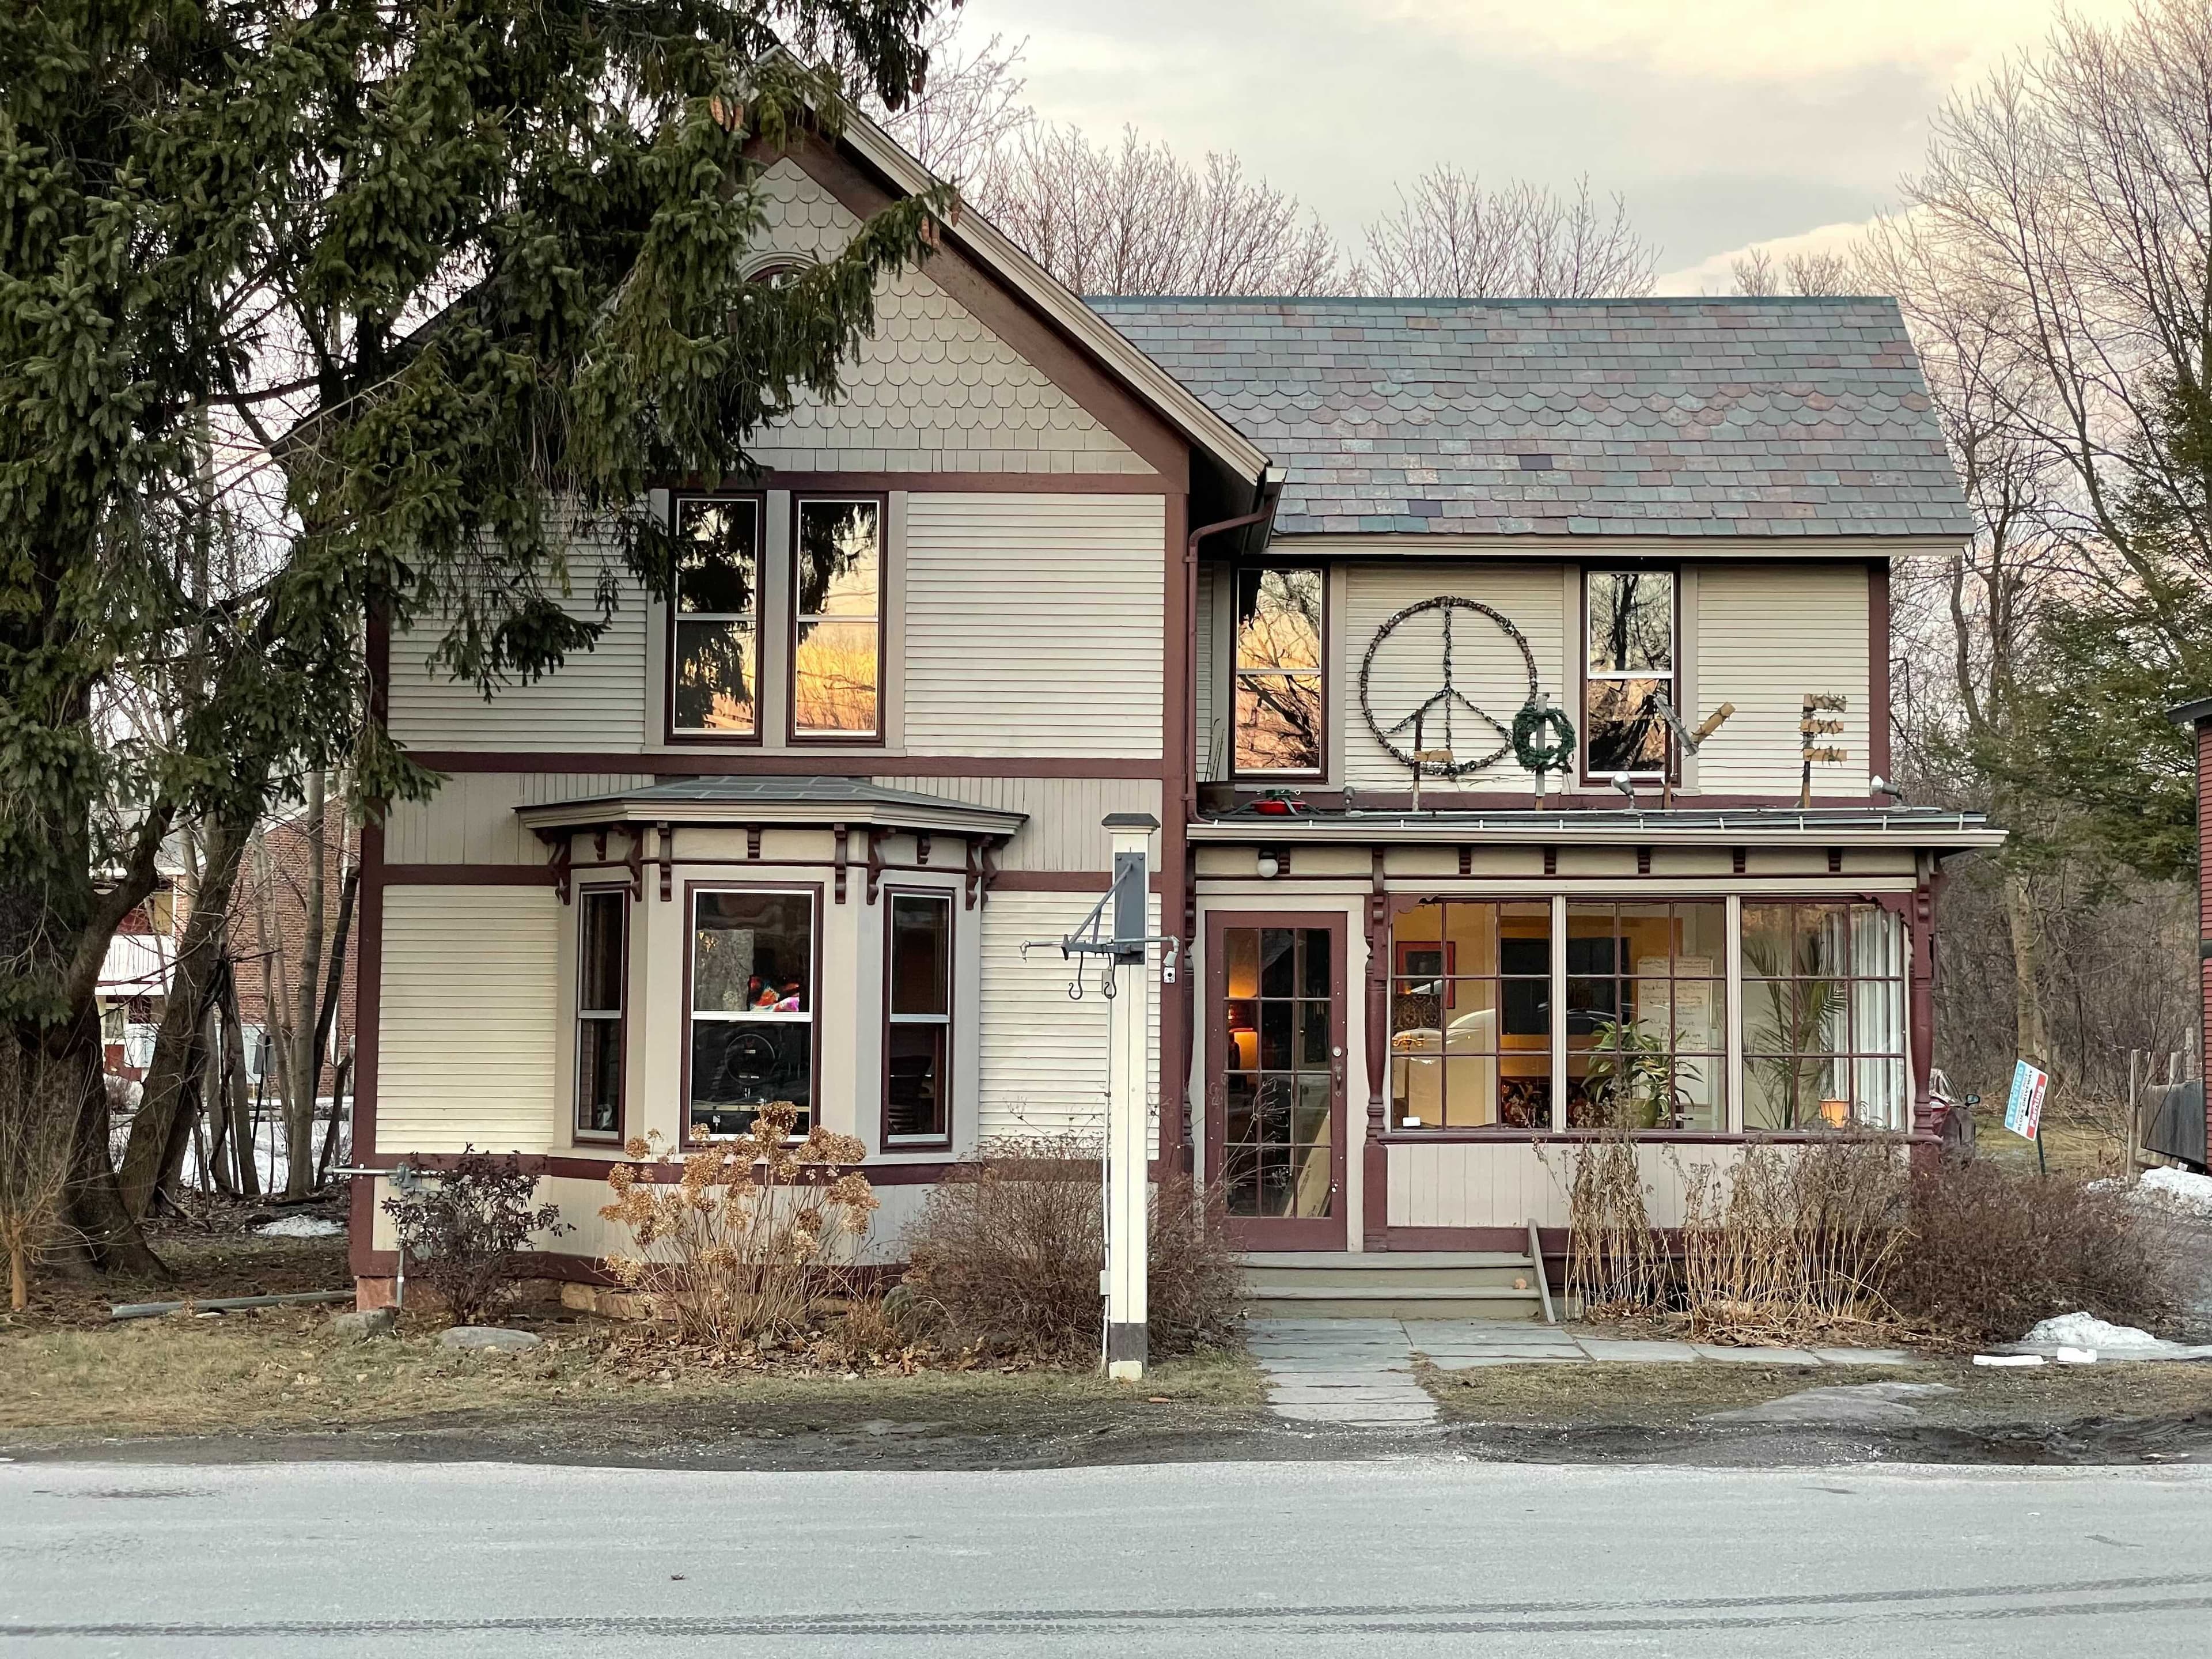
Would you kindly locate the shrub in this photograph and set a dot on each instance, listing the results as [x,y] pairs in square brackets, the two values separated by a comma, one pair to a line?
[464,1232]
[742,1246]
[1994,1251]
[1008,1249]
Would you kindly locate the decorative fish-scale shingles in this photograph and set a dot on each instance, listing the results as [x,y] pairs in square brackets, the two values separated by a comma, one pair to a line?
[933,388]
[1668,417]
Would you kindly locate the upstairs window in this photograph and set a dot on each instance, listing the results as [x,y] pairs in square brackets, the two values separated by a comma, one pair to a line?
[1279,703]
[1629,629]
[837,644]
[718,618]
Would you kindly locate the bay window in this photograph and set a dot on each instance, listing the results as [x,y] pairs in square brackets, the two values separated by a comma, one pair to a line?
[602,961]
[1278,677]
[836,666]
[716,655]
[752,1012]
[1628,663]
[1824,1017]
[917,1019]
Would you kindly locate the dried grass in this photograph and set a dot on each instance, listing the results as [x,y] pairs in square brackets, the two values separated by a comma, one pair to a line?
[750,1243]
[1616,1268]
[1007,1252]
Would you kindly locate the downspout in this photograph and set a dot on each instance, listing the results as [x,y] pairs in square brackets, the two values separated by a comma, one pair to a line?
[1268,496]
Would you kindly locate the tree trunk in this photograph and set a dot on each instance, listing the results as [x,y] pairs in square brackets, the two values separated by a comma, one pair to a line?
[306,1069]
[339,1080]
[246,1180]
[2031,1025]
[106,1232]
[171,1097]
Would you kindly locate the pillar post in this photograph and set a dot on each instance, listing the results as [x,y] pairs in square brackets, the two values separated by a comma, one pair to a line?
[1128,1114]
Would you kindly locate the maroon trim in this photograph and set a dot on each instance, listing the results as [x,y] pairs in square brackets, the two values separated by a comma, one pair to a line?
[578,1135]
[1878,733]
[788,765]
[1178,775]
[1450,800]
[1274,780]
[1669,775]
[792,737]
[1503,1136]
[1331,1231]
[669,733]
[820,920]
[1552,1241]
[368,1005]
[949,897]
[470,875]
[1375,1163]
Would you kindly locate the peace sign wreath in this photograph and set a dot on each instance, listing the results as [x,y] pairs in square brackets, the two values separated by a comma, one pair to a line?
[1448,697]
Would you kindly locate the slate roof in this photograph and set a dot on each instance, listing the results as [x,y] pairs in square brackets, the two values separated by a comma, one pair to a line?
[1664,418]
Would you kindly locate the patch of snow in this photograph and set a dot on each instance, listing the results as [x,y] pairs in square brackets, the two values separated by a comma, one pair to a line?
[2177,1189]
[2080,1330]
[301,1226]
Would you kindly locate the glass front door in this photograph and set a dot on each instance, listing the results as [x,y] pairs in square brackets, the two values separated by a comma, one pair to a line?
[1275,1099]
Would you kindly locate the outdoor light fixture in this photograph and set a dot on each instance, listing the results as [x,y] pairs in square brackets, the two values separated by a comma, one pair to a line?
[1270,867]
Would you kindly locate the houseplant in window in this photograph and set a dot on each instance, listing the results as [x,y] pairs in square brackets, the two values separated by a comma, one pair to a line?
[1634,1077]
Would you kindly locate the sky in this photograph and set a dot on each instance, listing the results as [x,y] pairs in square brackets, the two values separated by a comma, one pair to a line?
[1725,124]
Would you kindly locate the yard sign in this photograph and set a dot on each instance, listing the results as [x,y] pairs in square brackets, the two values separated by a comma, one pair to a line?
[2024,1111]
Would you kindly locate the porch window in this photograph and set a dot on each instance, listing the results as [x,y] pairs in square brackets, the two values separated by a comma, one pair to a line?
[1823,1016]
[1647,1016]
[602,950]
[1629,623]
[837,646]
[752,1006]
[717,645]
[918,1019]
[1471,1015]
[1279,702]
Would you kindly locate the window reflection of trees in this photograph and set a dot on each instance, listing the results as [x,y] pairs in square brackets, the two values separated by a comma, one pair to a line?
[1279,713]
[717,617]
[1631,664]
[835,668]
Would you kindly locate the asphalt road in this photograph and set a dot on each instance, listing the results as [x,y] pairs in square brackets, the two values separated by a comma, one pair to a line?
[1406,1557]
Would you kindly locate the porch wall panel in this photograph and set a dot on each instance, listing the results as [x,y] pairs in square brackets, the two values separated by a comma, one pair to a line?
[1505,1183]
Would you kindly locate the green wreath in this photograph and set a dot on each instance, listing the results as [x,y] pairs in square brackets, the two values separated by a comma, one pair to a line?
[1535,755]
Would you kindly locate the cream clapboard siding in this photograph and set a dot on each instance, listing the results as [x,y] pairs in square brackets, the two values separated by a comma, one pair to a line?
[1044,1057]
[1486,666]
[596,700]
[933,389]
[1509,1183]
[1767,634]
[471,819]
[469,1030]
[1065,831]
[1035,624]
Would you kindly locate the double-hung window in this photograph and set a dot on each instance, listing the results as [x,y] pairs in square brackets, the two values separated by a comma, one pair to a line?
[1628,665]
[752,1006]
[836,666]
[1279,696]
[717,647]
[602,960]
[918,1019]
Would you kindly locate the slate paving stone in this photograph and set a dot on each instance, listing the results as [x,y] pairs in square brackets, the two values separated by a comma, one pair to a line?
[1757,1356]
[1865,1357]
[1606,1348]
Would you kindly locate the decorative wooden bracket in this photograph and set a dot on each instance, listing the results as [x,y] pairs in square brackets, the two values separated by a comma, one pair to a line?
[635,862]
[667,862]
[753,842]
[599,845]
[974,863]
[875,862]
[557,860]
[1643,861]
[842,851]
[921,847]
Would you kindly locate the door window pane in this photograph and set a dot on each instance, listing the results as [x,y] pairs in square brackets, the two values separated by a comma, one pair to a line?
[839,599]
[1278,1086]
[717,604]
[751,1016]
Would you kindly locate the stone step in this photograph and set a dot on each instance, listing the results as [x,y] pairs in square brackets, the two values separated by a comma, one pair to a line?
[1391,1284]
[1512,1306]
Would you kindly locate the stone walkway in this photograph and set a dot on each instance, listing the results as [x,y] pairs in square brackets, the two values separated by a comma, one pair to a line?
[1359,1372]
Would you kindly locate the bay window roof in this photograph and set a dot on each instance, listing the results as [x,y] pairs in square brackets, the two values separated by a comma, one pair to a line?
[786,800]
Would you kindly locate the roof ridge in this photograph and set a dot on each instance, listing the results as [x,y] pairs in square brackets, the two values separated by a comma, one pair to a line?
[1670,300]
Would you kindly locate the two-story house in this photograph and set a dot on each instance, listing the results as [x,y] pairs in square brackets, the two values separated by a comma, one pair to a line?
[1248,567]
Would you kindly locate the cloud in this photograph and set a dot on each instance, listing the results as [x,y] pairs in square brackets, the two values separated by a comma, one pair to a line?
[1715,274]
[1753,39]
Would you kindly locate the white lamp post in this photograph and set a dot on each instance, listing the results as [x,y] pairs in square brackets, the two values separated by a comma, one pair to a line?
[1127,1155]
